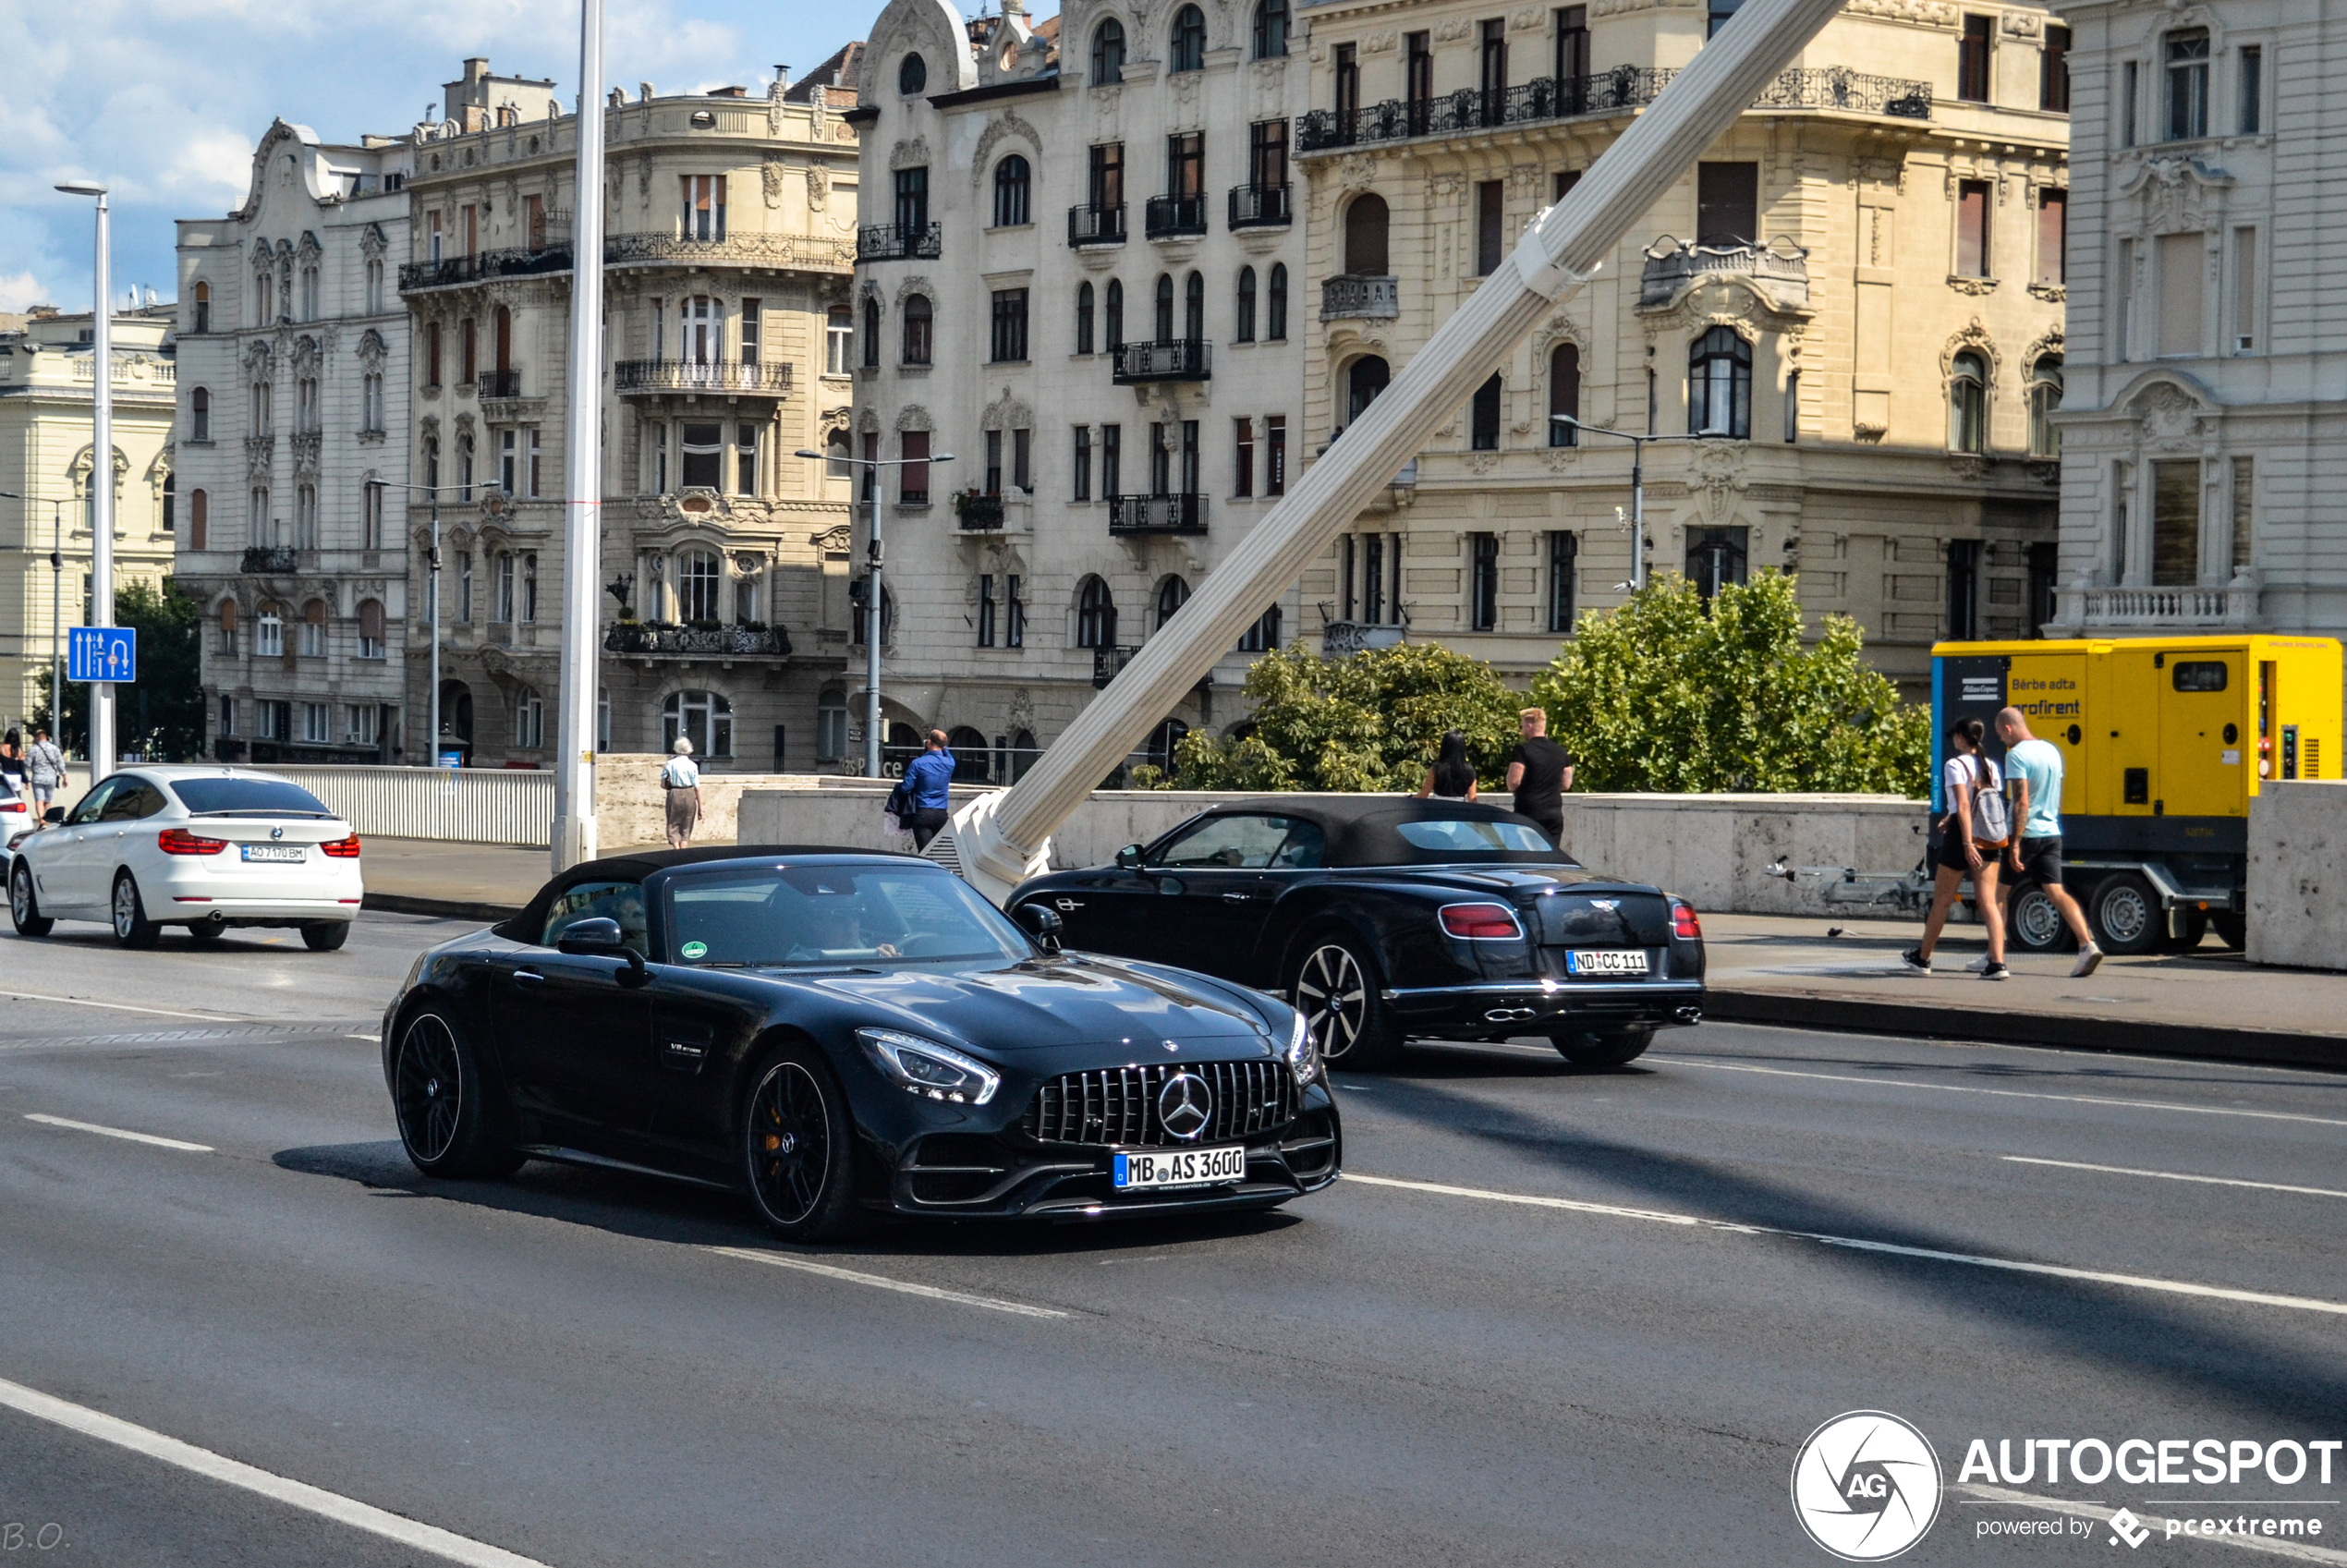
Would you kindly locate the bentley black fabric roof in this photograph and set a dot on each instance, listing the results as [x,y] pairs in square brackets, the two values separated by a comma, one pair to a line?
[1361,828]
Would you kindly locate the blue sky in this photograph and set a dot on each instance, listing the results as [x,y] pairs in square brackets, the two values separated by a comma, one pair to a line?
[163,102]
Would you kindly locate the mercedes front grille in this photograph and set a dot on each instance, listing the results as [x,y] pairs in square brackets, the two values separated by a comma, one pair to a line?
[1119,1105]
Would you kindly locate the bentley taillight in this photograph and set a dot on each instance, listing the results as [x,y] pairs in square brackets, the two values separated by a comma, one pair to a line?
[1684,925]
[1482,922]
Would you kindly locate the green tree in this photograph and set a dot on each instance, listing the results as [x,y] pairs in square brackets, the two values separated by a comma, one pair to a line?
[1371,720]
[160,715]
[1669,694]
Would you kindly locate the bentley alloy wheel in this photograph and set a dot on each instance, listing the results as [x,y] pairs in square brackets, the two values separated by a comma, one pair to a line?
[1336,991]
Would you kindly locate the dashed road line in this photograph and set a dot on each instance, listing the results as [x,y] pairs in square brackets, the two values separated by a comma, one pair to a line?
[118,1006]
[881,1282]
[125,1134]
[2173,1176]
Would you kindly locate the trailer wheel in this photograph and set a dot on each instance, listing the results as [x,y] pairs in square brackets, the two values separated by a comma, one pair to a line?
[2035,924]
[2126,915]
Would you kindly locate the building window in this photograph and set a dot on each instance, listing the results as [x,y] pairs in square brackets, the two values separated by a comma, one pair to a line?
[529,720]
[1108,53]
[1565,557]
[1968,405]
[1194,308]
[269,633]
[1271,28]
[745,459]
[920,330]
[227,640]
[2175,524]
[1722,11]
[314,629]
[431,353]
[2253,88]
[468,353]
[1715,557]
[2182,259]
[199,415]
[370,629]
[2054,236]
[2187,57]
[464,587]
[1491,226]
[1013,614]
[362,723]
[371,404]
[509,462]
[699,576]
[1008,343]
[1275,305]
[257,519]
[1082,488]
[306,516]
[1972,59]
[263,410]
[530,586]
[1023,459]
[1364,379]
[1172,594]
[986,610]
[2244,508]
[465,467]
[1727,204]
[1013,190]
[203,307]
[1484,432]
[317,723]
[1276,454]
[1364,230]
[1242,456]
[1111,461]
[872,332]
[753,313]
[1972,229]
[704,717]
[1113,316]
[2129,115]
[1792,407]
[2054,71]
[370,517]
[198,519]
[839,339]
[1964,590]
[1483,591]
[1720,385]
[701,330]
[1565,394]
[1264,635]
[1084,318]
[2245,290]
[912,75]
[657,433]
[537,475]
[504,613]
[993,462]
[1494,69]
[704,207]
[1347,73]
[913,482]
[2044,401]
[831,725]
[1095,616]
[1188,41]
[704,453]
[309,293]
[1243,329]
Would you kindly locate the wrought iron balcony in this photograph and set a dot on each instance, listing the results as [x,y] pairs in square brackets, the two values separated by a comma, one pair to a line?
[978,514]
[1837,87]
[1088,224]
[1374,299]
[1181,359]
[653,639]
[269,558]
[1262,206]
[1175,217]
[451,270]
[501,383]
[697,375]
[1339,638]
[1781,270]
[1107,661]
[1183,512]
[899,242]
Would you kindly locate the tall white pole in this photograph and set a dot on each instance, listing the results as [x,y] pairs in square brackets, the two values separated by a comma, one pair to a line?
[101,500]
[583,464]
[875,626]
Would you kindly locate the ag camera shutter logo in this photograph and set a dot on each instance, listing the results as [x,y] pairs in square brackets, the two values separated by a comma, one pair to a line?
[1865,1486]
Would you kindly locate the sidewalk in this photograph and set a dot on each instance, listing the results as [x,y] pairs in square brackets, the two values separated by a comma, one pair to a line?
[468,882]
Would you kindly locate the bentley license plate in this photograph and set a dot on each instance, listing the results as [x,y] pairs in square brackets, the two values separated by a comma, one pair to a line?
[285,851]
[1145,1170]
[1606,961]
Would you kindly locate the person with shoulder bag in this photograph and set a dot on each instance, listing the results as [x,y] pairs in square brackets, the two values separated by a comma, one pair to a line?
[1972,838]
[681,779]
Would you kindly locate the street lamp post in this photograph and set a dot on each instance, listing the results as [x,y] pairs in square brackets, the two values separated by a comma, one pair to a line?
[56,595]
[100,480]
[873,602]
[575,833]
[431,597]
[1638,444]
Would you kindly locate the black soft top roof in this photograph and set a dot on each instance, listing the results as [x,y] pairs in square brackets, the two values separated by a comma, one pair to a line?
[1363,830]
[634,868]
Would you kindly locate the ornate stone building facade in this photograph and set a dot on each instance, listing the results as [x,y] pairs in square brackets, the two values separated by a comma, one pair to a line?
[1854,305]
[730,221]
[290,444]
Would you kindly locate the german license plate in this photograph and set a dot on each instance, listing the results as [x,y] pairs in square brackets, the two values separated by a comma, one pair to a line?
[293,853]
[1154,1169]
[1606,961]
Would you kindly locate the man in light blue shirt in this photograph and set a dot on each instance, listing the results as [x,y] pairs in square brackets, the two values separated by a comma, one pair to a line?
[2033,771]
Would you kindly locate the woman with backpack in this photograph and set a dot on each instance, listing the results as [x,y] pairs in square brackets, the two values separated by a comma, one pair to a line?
[1972,842]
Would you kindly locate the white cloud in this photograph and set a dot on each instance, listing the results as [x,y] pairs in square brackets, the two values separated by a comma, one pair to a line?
[20,289]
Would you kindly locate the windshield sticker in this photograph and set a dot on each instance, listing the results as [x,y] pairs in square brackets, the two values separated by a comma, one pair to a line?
[695,950]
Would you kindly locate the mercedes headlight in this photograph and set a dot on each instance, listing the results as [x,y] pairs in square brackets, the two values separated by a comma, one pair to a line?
[932,1070]
[1303,1052]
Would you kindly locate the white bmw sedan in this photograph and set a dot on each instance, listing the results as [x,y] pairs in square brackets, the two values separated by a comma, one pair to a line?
[203,847]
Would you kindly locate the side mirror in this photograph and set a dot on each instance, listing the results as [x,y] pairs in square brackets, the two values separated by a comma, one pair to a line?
[1129,858]
[599,938]
[1042,922]
[55,814]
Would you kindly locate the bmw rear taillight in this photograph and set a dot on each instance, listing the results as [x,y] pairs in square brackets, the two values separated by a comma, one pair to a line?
[1684,925]
[1482,922]
[11,805]
[180,840]
[343,849]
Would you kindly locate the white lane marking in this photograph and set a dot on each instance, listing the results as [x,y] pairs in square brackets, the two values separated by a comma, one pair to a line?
[2173,1176]
[881,1282]
[117,1133]
[278,1489]
[1976,1260]
[2002,1093]
[2297,1551]
[118,1006]
[356,1035]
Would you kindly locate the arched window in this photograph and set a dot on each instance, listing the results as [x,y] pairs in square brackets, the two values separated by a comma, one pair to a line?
[1564,394]
[198,519]
[839,338]
[501,340]
[2044,401]
[228,626]
[1363,382]
[1365,222]
[1108,53]
[1189,41]
[1271,28]
[706,718]
[872,331]
[203,307]
[314,629]
[912,75]
[200,414]
[263,421]
[1084,318]
[370,629]
[1095,616]
[1244,332]
[371,403]
[919,339]
[374,288]
[1172,594]
[1968,404]
[1720,385]
[1483,433]
[1023,754]
[457,710]
[1275,308]
[1112,325]
[529,720]
[467,351]
[1194,308]
[1165,307]
[1264,635]
[699,575]
[1012,186]
[973,759]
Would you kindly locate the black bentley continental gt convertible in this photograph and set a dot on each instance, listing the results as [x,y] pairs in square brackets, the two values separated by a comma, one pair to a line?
[1391,917]
[840,1034]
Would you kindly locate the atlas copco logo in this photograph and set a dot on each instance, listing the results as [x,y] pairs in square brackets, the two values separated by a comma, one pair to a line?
[1865,1486]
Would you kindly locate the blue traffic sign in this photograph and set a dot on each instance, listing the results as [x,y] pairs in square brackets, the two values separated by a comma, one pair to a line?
[102,653]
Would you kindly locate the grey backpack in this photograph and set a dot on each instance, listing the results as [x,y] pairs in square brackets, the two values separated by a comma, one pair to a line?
[1992,821]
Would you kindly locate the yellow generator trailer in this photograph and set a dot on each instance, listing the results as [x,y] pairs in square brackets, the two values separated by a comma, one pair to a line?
[2164,742]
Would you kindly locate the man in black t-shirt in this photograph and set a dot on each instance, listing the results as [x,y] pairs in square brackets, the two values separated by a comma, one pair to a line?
[1539,771]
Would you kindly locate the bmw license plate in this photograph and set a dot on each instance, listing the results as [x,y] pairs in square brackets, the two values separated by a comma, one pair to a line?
[1145,1170]
[1606,961]
[282,852]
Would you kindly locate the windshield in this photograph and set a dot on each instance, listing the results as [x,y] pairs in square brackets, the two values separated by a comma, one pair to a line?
[1455,835]
[246,797]
[835,915]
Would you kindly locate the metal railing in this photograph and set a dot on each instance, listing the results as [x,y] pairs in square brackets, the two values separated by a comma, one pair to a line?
[1372,297]
[1671,266]
[652,639]
[697,375]
[1087,225]
[1838,87]
[1181,359]
[1183,512]
[980,514]
[1339,638]
[451,270]
[268,558]
[472,805]
[501,383]
[1260,206]
[896,242]
[813,253]
[1469,108]
[1106,662]
[1173,217]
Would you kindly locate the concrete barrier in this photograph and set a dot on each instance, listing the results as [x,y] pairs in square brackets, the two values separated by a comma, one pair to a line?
[2298,875]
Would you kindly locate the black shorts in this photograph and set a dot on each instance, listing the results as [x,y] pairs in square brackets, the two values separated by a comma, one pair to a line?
[1953,857]
[2041,860]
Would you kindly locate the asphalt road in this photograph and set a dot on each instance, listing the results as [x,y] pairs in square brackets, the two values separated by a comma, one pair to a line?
[564,1365]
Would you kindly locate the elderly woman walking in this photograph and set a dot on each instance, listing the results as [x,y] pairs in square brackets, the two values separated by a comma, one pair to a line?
[681,779]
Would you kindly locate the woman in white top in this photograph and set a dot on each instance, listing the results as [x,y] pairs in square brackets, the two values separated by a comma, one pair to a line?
[1975,794]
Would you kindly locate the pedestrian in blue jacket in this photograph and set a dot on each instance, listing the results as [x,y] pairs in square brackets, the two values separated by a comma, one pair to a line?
[927,778]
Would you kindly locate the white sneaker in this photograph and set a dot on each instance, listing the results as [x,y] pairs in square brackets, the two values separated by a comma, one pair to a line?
[1978,965]
[2088,958]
